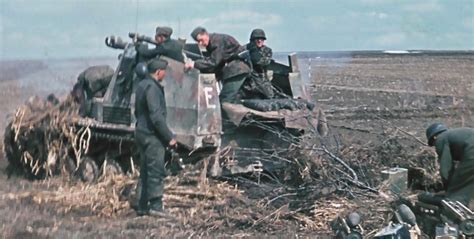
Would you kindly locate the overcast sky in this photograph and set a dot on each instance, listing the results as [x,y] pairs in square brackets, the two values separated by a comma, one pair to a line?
[77,28]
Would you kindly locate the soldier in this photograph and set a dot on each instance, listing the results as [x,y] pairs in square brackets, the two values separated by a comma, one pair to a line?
[222,61]
[454,146]
[152,135]
[166,46]
[258,85]
[260,54]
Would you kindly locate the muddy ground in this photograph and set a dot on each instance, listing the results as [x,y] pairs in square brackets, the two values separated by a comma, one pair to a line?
[370,99]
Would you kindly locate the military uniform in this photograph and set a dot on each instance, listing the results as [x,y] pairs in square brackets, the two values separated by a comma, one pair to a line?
[222,61]
[261,57]
[258,84]
[170,48]
[457,145]
[152,135]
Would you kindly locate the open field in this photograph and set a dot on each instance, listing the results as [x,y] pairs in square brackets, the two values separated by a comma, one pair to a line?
[377,103]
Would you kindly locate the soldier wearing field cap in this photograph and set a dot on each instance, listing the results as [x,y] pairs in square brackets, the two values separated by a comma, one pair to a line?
[152,136]
[165,46]
[455,149]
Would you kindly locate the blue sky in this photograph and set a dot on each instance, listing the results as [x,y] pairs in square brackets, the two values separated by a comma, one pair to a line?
[77,28]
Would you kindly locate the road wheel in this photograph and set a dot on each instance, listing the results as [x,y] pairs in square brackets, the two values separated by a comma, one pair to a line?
[70,166]
[111,167]
[88,170]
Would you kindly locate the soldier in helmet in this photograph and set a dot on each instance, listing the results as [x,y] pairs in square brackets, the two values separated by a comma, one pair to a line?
[222,61]
[260,54]
[166,46]
[152,135]
[258,84]
[455,149]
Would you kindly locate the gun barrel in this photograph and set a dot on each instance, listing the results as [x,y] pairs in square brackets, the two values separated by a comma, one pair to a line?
[115,42]
[144,38]
[150,40]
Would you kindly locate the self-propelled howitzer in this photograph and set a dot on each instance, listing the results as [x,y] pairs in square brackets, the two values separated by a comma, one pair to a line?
[203,125]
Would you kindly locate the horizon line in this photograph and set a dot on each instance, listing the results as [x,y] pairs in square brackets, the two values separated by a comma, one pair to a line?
[325,53]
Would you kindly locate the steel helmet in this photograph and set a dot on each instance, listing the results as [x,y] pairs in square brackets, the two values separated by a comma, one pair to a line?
[141,70]
[434,130]
[257,34]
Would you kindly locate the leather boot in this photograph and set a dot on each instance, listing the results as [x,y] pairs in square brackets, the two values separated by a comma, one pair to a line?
[142,208]
[156,204]
[157,209]
[142,211]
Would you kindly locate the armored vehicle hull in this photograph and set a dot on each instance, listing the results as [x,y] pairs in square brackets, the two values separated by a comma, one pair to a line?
[101,135]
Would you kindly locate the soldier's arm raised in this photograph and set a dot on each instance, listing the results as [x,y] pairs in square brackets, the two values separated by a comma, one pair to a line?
[153,98]
[150,53]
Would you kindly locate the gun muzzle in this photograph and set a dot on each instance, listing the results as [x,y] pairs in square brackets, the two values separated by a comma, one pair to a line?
[115,42]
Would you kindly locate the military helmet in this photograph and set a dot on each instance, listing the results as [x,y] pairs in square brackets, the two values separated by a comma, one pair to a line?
[433,130]
[141,70]
[257,34]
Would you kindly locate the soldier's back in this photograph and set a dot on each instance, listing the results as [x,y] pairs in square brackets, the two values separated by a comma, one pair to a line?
[461,142]
[173,49]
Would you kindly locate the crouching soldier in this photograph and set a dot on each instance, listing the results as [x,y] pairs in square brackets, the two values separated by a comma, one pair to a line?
[152,136]
[455,149]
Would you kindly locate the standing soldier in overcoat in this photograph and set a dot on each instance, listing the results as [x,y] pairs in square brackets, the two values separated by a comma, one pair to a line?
[152,136]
